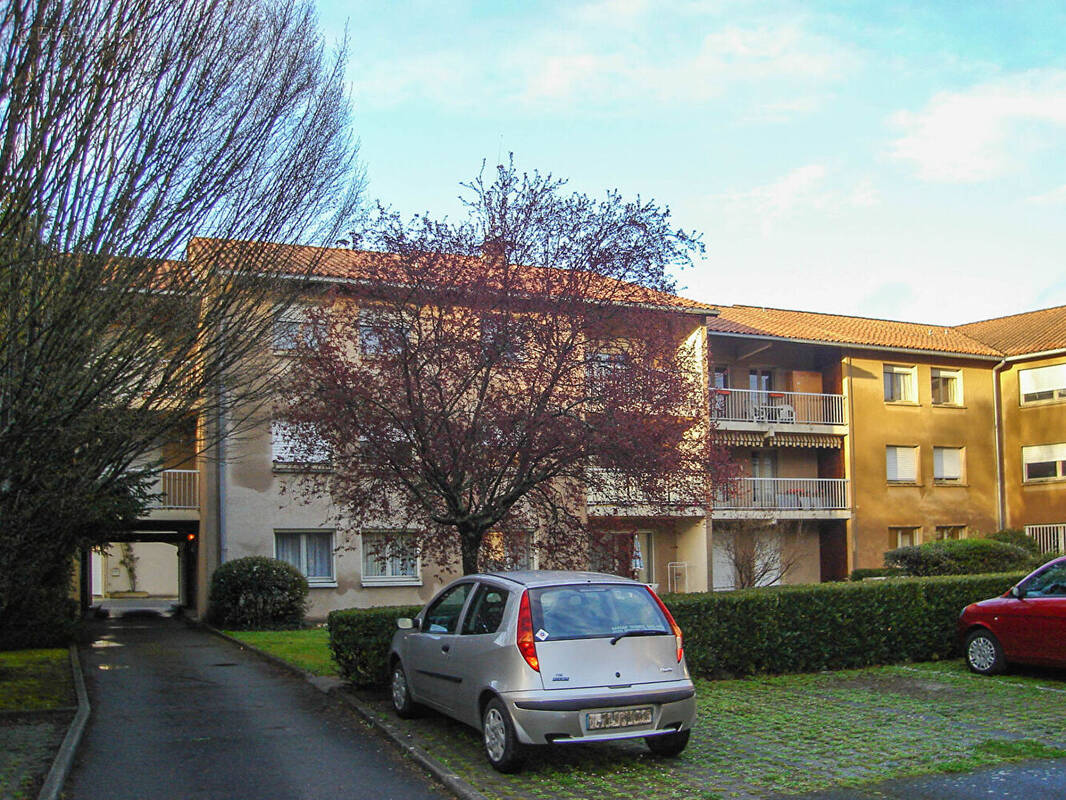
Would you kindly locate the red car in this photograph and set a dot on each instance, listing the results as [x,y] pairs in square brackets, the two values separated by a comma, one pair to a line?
[1027,624]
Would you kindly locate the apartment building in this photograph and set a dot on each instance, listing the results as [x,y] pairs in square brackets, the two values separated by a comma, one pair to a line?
[850,437]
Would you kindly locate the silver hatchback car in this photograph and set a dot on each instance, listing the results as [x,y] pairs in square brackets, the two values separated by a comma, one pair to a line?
[542,657]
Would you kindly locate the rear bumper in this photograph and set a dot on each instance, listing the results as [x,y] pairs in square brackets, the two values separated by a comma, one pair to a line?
[560,715]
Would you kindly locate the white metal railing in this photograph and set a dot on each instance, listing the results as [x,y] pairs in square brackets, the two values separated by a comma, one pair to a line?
[1051,538]
[750,405]
[784,494]
[180,488]
[612,489]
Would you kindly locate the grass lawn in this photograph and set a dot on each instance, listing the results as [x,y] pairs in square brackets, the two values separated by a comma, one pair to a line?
[307,649]
[35,680]
[31,681]
[766,736]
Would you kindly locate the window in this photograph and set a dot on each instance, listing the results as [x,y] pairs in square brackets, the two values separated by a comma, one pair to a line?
[311,552]
[292,327]
[297,444]
[720,378]
[946,387]
[761,380]
[901,464]
[947,464]
[902,537]
[390,558]
[443,614]
[944,533]
[900,384]
[1042,383]
[379,332]
[511,550]
[486,610]
[1044,461]
[1049,582]
[503,338]
[602,368]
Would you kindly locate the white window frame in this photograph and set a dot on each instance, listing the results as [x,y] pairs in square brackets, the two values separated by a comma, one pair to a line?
[893,473]
[942,458]
[319,581]
[953,374]
[1044,454]
[899,531]
[940,532]
[373,320]
[290,326]
[389,579]
[909,383]
[284,450]
[1049,381]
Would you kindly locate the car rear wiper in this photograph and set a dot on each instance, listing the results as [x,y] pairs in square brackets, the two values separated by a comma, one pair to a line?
[641,632]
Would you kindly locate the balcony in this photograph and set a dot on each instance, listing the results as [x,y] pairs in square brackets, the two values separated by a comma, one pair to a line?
[783,498]
[802,412]
[617,497]
[179,490]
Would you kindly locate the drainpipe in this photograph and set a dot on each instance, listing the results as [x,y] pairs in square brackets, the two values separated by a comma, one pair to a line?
[996,411]
[849,467]
[220,483]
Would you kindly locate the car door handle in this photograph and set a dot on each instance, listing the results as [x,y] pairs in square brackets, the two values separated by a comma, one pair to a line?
[445,648]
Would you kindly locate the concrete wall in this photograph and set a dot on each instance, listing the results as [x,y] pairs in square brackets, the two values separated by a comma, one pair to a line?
[156,570]
[1042,422]
[875,424]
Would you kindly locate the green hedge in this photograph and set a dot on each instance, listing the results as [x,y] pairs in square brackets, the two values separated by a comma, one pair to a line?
[829,625]
[359,639]
[961,557]
[256,592]
[782,629]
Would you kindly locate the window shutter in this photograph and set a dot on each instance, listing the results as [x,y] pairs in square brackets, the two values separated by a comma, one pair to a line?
[1044,452]
[947,463]
[900,463]
[1042,379]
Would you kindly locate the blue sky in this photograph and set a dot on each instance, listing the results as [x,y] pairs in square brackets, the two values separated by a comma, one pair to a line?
[898,160]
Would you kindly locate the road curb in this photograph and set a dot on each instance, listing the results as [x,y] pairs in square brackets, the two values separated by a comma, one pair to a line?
[57,775]
[436,770]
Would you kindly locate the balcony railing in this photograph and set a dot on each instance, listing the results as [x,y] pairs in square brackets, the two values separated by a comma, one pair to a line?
[180,488]
[1050,538]
[787,408]
[784,494]
[616,490]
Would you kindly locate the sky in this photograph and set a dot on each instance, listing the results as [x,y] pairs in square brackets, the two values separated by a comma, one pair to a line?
[887,159]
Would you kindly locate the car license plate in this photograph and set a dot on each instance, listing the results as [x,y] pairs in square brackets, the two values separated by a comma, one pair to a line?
[623,718]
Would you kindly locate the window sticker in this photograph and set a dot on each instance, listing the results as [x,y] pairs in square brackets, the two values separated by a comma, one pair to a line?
[542,634]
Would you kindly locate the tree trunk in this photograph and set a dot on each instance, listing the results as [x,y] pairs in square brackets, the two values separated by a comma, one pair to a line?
[470,537]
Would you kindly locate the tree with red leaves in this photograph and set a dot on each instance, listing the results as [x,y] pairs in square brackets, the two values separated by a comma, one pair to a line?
[491,376]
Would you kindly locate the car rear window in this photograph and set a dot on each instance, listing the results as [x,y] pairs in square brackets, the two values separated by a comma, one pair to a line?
[586,611]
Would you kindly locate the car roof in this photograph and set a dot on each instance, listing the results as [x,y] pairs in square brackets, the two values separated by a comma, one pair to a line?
[555,577]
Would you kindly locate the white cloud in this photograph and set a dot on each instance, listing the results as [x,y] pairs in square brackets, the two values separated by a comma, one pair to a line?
[1055,197]
[982,132]
[799,191]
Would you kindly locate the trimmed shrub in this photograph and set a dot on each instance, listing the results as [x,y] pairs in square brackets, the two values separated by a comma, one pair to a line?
[862,573]
[359,639]
[829,625]
[775,630]
[959,557]
[1018,538]
[257,592]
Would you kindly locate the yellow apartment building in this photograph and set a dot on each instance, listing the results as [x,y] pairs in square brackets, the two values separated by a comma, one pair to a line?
[849,436]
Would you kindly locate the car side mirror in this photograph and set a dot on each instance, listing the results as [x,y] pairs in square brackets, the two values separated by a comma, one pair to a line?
[405,623]
[1018,592]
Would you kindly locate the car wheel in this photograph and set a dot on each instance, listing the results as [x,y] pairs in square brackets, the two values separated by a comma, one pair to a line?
[502,747]
[667,744]
[405,707]
[984,654]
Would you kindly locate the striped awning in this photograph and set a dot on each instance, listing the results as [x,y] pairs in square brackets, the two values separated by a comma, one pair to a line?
[778,439]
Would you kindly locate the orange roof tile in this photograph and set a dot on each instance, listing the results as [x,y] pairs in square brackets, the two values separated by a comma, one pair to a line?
[346,265]
[838,329]
[1018,334]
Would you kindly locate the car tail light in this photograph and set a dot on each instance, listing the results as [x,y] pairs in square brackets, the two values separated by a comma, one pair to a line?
[527,645]
[670,619]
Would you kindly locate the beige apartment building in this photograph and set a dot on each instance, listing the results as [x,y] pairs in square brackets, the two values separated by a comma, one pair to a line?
[850,437]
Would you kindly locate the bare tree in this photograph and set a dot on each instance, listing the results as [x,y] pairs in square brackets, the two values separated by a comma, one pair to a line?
[756,555]
[128,127]
[486,376]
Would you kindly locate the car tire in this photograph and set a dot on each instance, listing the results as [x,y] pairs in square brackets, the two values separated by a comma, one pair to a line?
[402,704]
[984,654]
[502,748]
[668,744]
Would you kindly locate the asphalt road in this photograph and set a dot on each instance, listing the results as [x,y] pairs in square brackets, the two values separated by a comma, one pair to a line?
[179,713]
